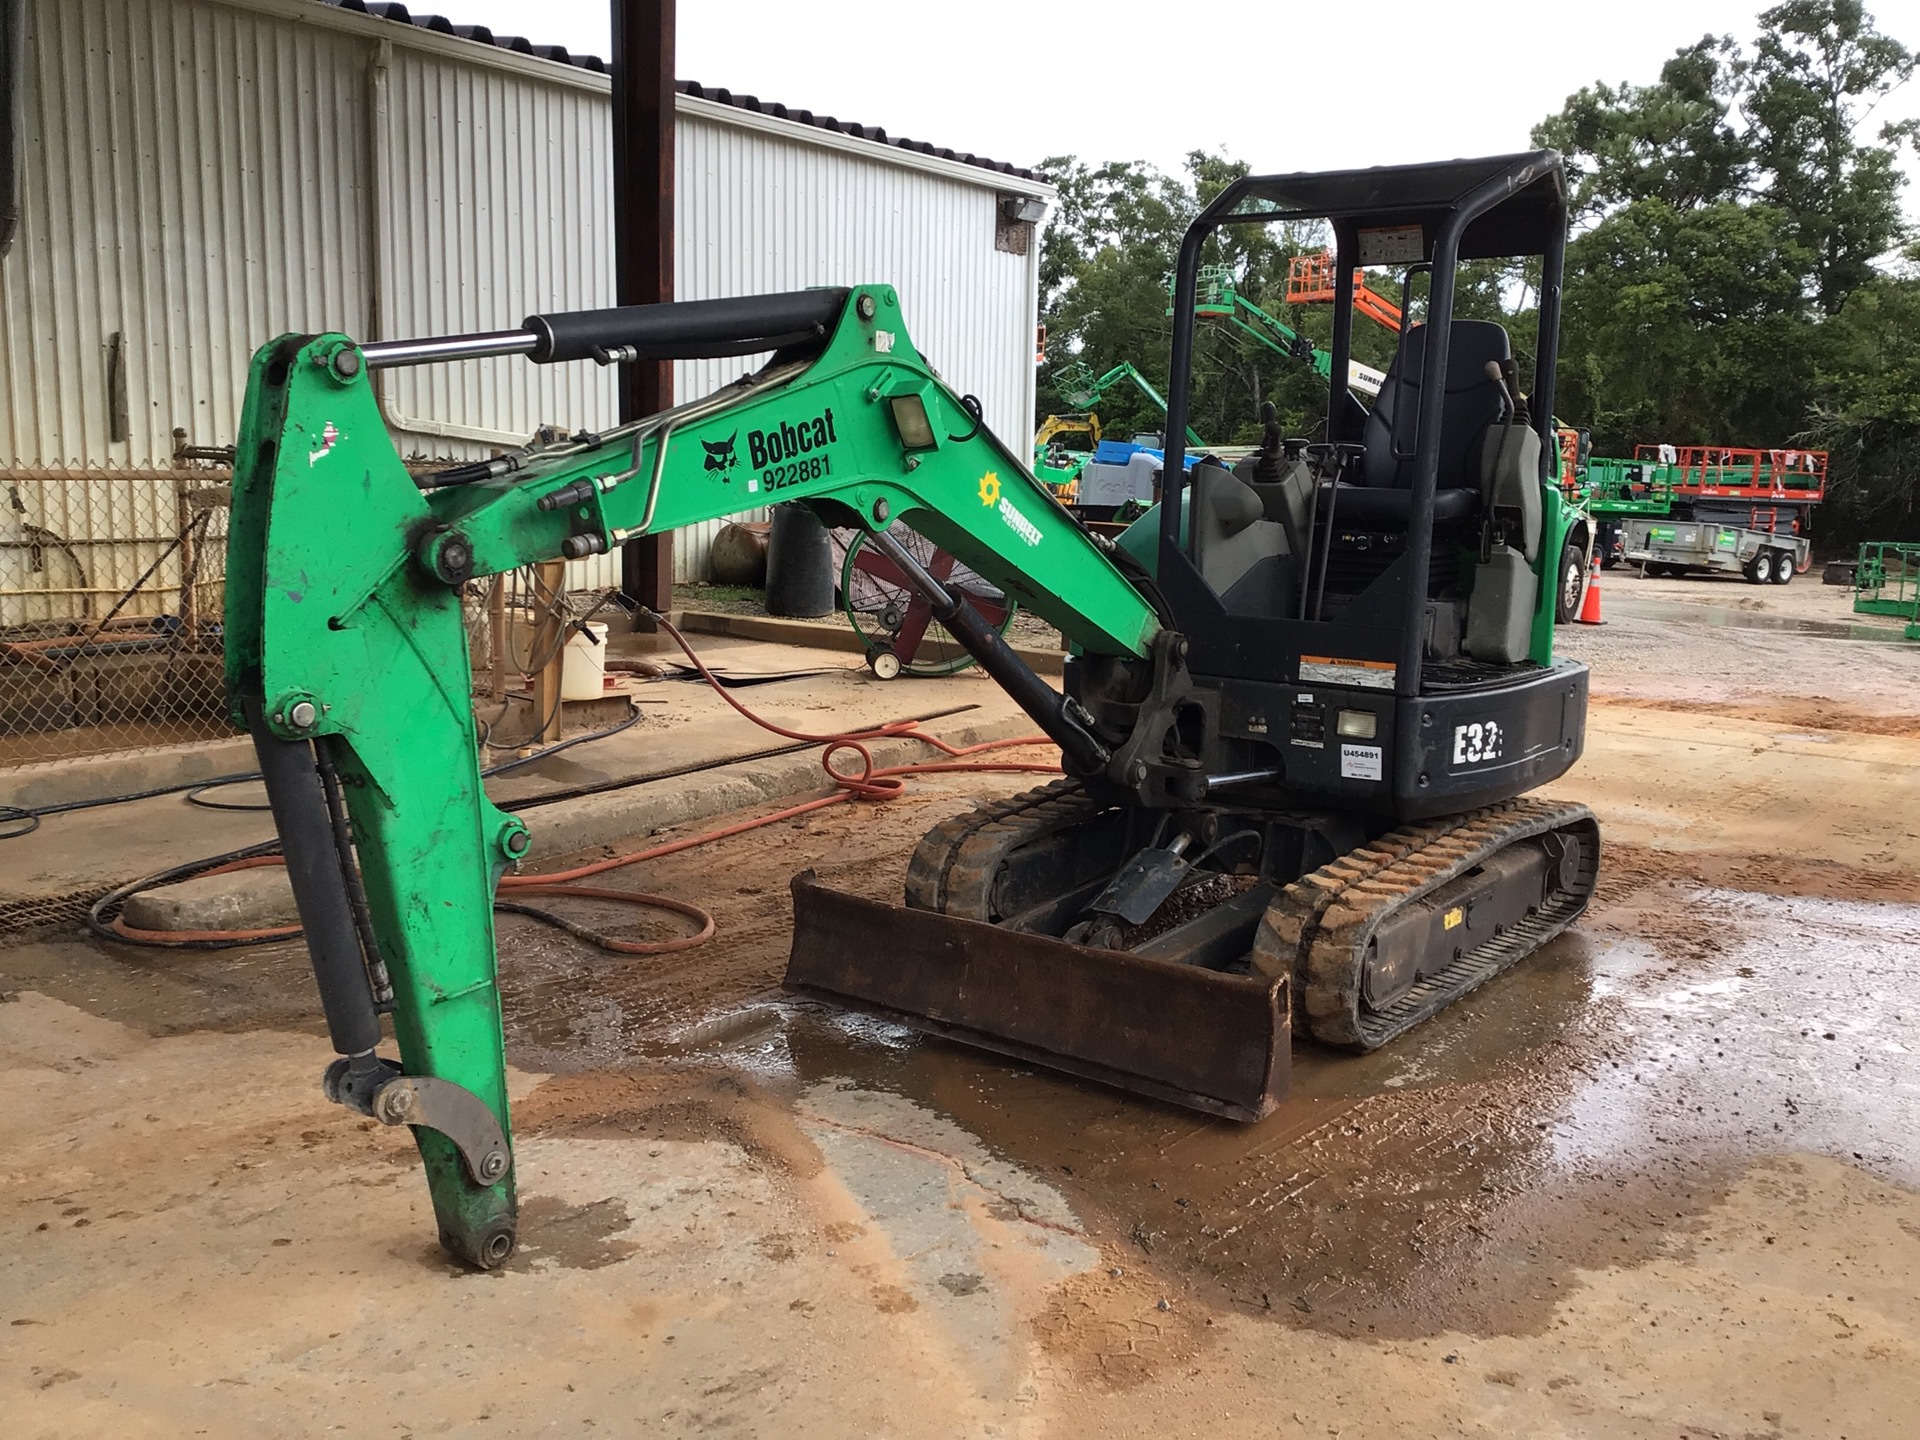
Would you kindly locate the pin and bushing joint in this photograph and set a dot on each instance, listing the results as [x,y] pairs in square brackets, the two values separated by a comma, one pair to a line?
[448,556]
[295,715]
[342,361]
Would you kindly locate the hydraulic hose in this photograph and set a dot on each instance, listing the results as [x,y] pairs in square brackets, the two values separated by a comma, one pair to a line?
[871,783]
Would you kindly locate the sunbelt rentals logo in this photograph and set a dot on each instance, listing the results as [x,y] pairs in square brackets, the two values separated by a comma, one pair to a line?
[991,497]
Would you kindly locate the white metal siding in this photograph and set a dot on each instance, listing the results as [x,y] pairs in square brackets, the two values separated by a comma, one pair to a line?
[193,176]
[498,188]
[205,174]
[194,179]
[756,212]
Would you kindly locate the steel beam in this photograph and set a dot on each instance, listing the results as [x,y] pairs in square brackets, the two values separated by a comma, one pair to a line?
[643,97]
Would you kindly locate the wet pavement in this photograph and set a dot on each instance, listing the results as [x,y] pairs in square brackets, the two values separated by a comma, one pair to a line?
[1579,1111]
[1721,617]
[1574,1112]
[1659,1179]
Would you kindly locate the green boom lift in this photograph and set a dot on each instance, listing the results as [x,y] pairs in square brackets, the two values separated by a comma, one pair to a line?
[1216,298]
[1306,693]
[1080,388]
[1886,581]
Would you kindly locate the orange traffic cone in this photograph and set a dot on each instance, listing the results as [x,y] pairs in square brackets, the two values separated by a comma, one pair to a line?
[1590,606]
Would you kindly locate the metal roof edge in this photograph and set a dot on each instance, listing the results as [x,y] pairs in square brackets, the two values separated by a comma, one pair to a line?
[439,25]
[868,134]
[927,161]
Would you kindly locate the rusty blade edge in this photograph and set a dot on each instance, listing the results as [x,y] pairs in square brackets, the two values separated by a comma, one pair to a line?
[1217,1043]
[1052,1060]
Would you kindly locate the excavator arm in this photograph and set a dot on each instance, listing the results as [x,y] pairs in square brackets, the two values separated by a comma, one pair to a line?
[347,659]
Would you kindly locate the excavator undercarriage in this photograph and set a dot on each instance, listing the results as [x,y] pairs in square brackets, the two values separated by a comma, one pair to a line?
[1194,1002]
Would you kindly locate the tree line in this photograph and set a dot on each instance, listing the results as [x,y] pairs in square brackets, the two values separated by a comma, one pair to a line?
[1740,272]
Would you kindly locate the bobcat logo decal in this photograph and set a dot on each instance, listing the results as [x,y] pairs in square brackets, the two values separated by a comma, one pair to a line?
[720,457]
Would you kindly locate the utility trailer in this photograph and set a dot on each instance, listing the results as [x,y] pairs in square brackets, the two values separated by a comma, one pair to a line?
[1678,547]
[1687,502]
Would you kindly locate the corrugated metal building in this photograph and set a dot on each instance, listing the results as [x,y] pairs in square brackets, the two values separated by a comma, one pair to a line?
[197,176]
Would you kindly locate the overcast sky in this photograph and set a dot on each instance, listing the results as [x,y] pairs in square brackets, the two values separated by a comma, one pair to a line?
[1280,84]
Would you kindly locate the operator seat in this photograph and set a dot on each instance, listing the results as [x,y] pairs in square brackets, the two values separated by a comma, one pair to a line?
[1383,499]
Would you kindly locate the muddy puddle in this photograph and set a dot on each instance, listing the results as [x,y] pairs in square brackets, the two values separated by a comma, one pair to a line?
[1800,1032]
[1720,617]
[1576,1112]
[1579,1111]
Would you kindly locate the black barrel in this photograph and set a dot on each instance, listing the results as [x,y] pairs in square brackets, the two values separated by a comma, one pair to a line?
[799,564]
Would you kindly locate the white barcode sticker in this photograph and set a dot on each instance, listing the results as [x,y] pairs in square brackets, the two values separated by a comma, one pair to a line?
[1359,762]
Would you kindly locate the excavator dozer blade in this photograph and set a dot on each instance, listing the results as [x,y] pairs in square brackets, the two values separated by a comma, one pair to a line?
[1195,1037]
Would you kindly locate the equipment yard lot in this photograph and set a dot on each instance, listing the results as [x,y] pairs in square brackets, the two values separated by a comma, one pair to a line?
[1659,1180]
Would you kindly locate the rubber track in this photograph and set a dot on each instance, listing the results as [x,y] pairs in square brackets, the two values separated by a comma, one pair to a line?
[953,867]
[1317,930]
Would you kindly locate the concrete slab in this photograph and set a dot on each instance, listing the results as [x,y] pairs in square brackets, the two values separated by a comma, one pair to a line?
[979,1242]
[690,757]
[244,900]
[61,781]
[259,899]
[806,690]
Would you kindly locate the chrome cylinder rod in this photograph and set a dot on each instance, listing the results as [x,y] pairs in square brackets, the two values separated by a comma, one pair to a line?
[1244,777]
[386,354]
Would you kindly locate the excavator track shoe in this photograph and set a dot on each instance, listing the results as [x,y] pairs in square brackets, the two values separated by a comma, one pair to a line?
[1391,933]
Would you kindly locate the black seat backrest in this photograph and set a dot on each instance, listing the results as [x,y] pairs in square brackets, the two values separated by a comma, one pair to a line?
[1473,402]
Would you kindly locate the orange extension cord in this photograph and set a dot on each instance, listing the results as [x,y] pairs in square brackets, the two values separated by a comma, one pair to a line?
[872,783]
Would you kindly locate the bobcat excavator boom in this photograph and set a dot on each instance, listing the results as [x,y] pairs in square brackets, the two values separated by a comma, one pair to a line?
[348,662]
[1303,700]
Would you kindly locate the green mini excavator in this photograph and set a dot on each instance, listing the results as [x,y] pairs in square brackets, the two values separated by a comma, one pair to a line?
[1305,698]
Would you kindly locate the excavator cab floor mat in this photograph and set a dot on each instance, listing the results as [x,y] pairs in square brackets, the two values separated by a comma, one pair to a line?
[1205,1039]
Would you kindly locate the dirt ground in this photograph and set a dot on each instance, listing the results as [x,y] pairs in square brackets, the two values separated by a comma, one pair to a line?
[1659,1181]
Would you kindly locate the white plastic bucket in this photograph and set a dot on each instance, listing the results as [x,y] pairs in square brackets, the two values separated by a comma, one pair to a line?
[583,665]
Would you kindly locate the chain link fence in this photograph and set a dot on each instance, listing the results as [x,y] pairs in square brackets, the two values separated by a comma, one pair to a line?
[111,591]
[111,595]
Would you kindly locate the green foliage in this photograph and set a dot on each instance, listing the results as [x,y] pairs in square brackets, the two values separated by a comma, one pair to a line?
[1728,281]
[1109,251]
[1724,285]
[1685,325]
[1819,69]
[1110,241]
[1671,140]
[1867,411]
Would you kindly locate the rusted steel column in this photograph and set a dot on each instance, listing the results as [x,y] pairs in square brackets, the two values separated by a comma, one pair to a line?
[550,638]
[497,639]
[643,95]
